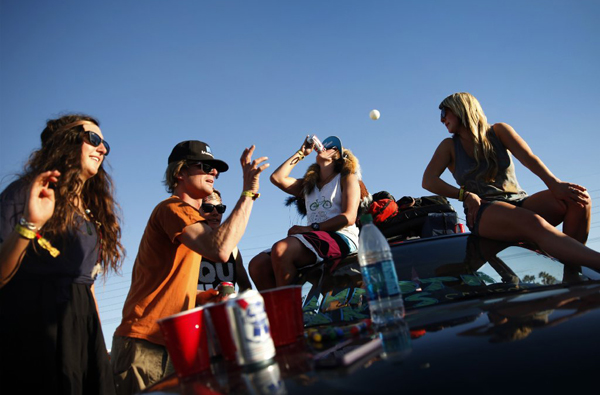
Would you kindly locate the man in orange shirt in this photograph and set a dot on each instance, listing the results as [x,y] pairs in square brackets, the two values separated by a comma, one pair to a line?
[165,272]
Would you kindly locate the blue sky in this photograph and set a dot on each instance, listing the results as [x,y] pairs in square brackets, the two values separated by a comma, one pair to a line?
[236,73]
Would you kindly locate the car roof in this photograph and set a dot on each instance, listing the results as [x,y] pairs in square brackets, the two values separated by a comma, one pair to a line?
[435,271]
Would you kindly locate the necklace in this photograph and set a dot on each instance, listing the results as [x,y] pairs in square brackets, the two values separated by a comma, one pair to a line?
[98,266]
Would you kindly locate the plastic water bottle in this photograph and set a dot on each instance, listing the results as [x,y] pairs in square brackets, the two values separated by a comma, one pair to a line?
[395,340]
[379,274]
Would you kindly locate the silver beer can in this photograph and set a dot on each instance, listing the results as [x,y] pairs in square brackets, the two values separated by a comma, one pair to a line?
[317,143]
[250,329]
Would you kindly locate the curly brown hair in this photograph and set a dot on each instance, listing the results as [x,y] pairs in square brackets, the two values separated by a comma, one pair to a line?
[61,150]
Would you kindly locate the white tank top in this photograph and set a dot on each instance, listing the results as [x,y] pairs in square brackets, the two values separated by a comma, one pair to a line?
[325,203]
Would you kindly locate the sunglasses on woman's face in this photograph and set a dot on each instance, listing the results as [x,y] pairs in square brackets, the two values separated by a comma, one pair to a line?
[208,208]
[443,113]
[95,140]
[205,167]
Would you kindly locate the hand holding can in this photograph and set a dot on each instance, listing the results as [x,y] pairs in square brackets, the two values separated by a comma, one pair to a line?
[226,289]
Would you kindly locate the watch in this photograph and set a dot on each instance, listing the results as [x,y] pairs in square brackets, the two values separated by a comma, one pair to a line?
[315,226]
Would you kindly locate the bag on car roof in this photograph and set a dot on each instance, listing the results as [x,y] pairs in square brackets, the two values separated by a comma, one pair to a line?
[383,207]
[412,215]
[438,224]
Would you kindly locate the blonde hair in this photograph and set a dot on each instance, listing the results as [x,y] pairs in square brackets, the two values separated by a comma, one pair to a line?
[467,108]
[171,174]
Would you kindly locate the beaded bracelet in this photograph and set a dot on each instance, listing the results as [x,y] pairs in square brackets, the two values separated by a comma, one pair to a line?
[30,234]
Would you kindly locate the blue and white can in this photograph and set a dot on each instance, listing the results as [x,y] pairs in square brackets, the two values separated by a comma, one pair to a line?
[266,380]
[250,329]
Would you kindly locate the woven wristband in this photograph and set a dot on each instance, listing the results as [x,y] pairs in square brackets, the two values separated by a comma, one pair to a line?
[26,233]
[30,235]
[250,194]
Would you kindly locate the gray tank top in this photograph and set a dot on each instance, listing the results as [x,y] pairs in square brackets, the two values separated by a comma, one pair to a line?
[505,187]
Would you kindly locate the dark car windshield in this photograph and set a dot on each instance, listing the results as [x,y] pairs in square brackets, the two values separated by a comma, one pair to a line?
[434,271]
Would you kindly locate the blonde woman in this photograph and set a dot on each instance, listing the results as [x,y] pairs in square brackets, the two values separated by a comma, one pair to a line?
[479,157]
[332,193]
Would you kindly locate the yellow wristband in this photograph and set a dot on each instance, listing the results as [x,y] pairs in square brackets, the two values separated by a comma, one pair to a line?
[250,194]
[24,232]
[301,154]
[30,234]
[461,194]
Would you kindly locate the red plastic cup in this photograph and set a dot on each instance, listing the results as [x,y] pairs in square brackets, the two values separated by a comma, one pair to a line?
[284,310]
[185,336]
[221,329]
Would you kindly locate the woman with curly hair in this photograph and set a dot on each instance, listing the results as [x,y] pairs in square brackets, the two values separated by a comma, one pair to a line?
[58,230]
[331,192]
[479,156]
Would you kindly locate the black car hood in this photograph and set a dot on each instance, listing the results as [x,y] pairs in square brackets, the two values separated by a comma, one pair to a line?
[528,343]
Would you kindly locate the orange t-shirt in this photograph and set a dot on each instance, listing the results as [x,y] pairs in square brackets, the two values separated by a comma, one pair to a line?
[165,272]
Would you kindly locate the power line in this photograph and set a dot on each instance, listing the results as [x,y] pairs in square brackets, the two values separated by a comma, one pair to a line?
[115,309]
[112,290]
[121,296]
[119,282]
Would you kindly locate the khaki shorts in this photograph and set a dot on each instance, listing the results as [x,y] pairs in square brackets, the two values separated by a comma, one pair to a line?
[137,364]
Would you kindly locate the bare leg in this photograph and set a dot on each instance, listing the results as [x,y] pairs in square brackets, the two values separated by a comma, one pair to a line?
[577,221]
[287,256]
[575,218]
[502,221]
[261,271]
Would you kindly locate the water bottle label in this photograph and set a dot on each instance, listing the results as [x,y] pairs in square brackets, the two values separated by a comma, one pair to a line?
[381,280]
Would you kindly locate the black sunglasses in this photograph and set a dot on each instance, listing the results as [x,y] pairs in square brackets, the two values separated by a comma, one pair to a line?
[208,208]
[205,167]
[95,140]
[443,114]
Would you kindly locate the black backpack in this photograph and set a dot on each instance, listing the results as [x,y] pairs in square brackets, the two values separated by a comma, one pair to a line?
[424,216]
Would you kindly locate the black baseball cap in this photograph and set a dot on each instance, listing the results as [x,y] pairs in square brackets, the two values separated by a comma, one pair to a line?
[198,151]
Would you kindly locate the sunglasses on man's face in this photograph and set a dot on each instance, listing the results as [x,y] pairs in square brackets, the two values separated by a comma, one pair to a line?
[205,167]
[208,208]
[95,140]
